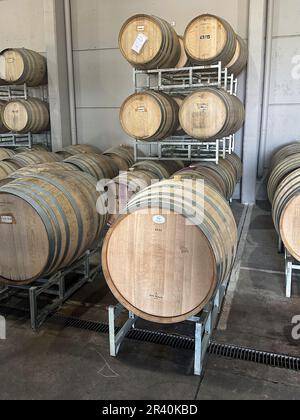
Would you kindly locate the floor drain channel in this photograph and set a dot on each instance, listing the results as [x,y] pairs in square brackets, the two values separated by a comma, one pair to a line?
[187,343]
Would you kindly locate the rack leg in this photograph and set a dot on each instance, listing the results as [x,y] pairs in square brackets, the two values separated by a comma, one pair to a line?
[289,275]
[198,366]
[116,340]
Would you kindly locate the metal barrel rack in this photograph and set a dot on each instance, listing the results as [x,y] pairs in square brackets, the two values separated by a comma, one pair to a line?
[185,81]
[55,288]
[291,265]
[205,324]
[15,140]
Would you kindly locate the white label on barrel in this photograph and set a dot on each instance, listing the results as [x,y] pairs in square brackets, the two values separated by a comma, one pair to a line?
[141,109]
[159,220]
[2,67]
[7,220]
[139,43]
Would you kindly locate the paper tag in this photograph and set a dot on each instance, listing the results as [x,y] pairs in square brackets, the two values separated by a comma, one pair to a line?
[159,220]
[141,109]
[203,107]
[139,43]
[7,219]
[2,67]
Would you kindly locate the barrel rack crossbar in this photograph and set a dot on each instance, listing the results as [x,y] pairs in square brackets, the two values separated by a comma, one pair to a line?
[291,265]
[185,149]
[55,288]
[11,92]
[205,324]
[185,80]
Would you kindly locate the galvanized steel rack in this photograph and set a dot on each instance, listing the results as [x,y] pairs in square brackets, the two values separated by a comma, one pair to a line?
[185,149]
[56,288]
[291,265]
[11,92]
[205,324]
[185,81]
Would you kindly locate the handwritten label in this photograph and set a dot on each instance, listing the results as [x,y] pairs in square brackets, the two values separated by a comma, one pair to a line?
[7,219]
[139,43]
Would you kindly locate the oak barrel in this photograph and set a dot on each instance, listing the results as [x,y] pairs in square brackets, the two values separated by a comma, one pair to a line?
[6,154]
[78,149]
[211,113]
[280,172]
[7,167]
[31,158]
[209,39]
[148,42]
[158,169]
[283,153]
[48,221]
[167,269]
[240,59]
[184,59]
[34,148]
[3,129]
[20,65]
[26,116]
[286,204]
[122,155]
[119,191]
[149,116]
[98,166]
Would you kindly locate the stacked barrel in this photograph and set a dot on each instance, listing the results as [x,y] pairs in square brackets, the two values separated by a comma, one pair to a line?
[17,67]
[148,42]
[48,216]
[178,237]
[284,195]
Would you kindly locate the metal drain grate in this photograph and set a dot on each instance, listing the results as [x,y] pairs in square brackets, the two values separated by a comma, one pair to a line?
[274,360]
[187,343]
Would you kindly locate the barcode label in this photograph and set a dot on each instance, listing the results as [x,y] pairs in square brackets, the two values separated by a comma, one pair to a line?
[139,43]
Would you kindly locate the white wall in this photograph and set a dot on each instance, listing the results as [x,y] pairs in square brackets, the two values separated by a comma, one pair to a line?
[284,101]
[103,78]
[22,24]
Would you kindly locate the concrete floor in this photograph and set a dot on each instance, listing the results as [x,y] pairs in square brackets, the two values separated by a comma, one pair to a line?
[65,363]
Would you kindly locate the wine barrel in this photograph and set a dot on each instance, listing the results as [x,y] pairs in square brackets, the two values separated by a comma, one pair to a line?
[286,204]
[148,42]
[158,169]
[26,116]
[31,158]
[49,218]
[225,173]
[209,39]
[149,116]
[167,270]
[184,59]
[283,153]
[179,99]
[236,162]
[19,66]
[123,156]
[7,167]
[119,191]
[3,129]
[240,59]
[34,148]
[77,150]
[211,113]
[6,154]
[202,174]
[98,166]
[280,172]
